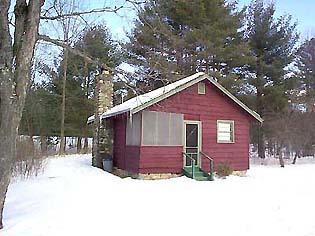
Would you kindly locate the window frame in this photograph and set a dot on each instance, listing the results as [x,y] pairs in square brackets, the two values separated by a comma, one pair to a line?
[232,132]
[158,145]
[201,88]
[130,122]
[195,122]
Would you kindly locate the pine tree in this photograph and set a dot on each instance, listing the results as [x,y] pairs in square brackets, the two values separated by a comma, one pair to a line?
[272,42]
[182,37]
[306,66]
[41,115]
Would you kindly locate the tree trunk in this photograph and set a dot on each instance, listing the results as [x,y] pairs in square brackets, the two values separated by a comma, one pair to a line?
[4,184]
[278,149]
[62,150]
[261,143]
[8,134]
[270,148]
[281,161]
[86,141]
[79,144]
[259,107]
[86,86]
[295,157]
[15,64]
[43,145]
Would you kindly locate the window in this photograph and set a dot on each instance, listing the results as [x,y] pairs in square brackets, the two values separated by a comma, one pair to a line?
[133,130]
[201,88]
[162,129]
[225,131]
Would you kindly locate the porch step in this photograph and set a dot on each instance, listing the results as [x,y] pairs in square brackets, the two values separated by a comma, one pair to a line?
[203,178]
[200,175]
[189,168]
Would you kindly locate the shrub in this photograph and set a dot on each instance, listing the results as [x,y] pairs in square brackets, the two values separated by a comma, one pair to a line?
[224,169]
[29,161]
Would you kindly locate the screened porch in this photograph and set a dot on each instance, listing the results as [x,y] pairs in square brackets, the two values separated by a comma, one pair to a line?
[150,128]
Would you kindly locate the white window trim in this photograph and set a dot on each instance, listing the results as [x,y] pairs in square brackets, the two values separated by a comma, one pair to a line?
[129,122]
[233,131]
[201,85]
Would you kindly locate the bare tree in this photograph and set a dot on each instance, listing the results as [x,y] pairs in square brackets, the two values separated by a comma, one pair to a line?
[16,55]
[70,28]
[15,63]
[63,105]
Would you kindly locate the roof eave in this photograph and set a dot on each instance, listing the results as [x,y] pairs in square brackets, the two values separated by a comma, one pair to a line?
[104,116]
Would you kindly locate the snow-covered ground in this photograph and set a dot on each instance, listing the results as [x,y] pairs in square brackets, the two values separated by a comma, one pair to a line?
[73,198]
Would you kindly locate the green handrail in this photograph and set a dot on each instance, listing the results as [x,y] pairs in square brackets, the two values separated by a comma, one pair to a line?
[192,164]
[211,164]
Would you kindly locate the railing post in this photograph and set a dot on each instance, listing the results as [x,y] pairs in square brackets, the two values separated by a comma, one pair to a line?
[211,169]
[193,168]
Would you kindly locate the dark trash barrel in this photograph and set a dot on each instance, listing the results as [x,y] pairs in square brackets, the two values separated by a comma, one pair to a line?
[108,164]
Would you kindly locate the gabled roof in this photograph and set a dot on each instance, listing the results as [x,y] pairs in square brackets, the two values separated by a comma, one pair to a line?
[143,101]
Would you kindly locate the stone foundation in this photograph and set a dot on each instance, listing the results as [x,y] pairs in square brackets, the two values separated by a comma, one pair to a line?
[121,173]
[240,173]
[157,176]
[124,174]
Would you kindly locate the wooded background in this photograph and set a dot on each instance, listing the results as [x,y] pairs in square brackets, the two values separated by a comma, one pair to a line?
[255,55]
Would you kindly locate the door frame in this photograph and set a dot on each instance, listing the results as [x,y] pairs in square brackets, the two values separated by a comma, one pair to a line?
[199,123]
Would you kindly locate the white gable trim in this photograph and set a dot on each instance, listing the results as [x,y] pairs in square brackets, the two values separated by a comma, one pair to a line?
[197,78]
[230,95]
[190,83]
[168,94]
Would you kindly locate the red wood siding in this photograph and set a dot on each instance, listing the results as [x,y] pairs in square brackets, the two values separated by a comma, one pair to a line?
[161,159]
[132,156]
[208,108]
[125,157]
[119,142]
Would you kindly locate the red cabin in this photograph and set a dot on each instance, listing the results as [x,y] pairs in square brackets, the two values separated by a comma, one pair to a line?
[180,126]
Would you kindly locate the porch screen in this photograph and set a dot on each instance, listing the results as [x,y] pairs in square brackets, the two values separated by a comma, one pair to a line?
[133,130]
[162,129]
